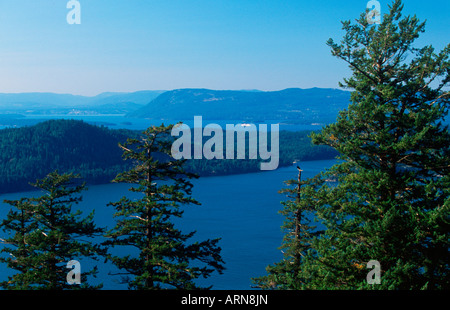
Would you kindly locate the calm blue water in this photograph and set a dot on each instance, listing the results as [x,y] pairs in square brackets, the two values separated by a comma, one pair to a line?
[240,209]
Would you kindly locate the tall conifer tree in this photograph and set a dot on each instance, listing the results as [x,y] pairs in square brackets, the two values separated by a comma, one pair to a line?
[292,273]
[391,202]
[165,259]
[20,227]
[44,234]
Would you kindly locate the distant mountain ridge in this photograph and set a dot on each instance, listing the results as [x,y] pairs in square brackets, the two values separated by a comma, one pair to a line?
[51,103]
[303,105]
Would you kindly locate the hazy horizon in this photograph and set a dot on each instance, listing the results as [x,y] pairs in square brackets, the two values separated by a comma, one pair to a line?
[123,46]
[163,90]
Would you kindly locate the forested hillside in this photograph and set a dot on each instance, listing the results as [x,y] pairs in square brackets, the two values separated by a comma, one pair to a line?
[29,153]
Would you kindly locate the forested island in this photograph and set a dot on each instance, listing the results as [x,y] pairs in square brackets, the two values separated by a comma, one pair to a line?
[30,153]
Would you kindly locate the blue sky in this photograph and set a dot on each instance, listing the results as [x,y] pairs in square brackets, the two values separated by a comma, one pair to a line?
[131,45]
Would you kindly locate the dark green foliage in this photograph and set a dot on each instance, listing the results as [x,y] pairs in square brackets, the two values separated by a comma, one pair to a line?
[299,227]
[165,259]
[43,234]
[19,222]
[30,153]
[391,201]
[293,146]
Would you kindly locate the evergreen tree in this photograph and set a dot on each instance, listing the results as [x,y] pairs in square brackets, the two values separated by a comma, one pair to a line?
[391,200]
[43,235]
[292,272]
[21,223]
[164,257]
